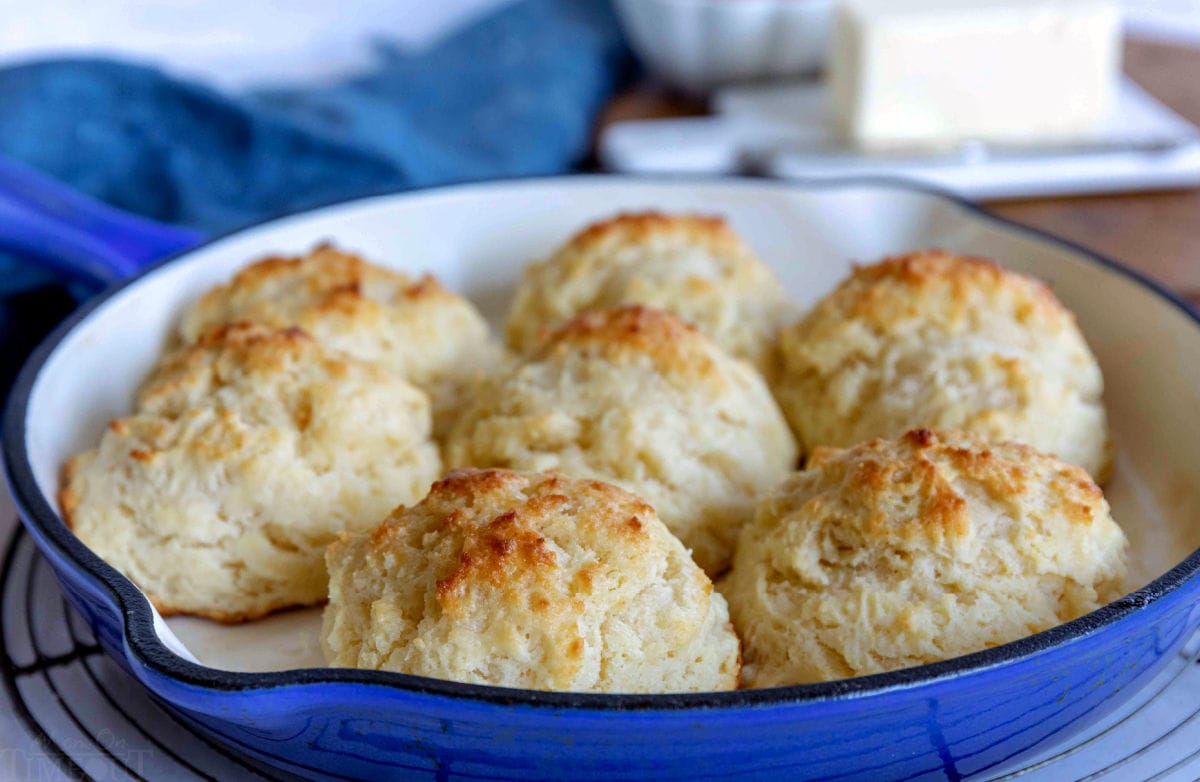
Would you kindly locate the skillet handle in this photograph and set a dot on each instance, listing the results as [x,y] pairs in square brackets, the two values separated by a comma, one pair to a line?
[70,233]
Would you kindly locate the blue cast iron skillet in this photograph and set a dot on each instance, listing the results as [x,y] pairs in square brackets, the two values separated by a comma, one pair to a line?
[950,720]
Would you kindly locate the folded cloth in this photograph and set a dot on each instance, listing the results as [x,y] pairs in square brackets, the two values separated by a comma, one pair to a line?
[512,94]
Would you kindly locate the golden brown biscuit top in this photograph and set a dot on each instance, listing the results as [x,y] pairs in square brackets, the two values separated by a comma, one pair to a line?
[640,227]
[248,360]
[326,268]
[540,539]
[327,283]
[330,277]
[623,335]
[911,491]
[255,347]
[692,265]
[940,287]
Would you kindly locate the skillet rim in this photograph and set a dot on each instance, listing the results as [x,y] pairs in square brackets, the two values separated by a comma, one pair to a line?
[144,647]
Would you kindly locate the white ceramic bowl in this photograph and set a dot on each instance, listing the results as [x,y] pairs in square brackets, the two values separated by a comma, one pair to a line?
[696,45]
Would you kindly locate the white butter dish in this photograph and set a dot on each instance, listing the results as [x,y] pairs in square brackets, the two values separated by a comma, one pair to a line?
[785,131]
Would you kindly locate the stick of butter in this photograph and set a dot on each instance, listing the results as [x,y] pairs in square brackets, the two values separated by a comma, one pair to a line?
[906,73]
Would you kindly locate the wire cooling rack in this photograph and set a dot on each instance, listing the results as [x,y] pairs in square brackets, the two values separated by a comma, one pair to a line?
[71,713]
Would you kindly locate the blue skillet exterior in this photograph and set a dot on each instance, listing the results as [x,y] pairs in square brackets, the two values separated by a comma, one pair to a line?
[966,721]
[946,721]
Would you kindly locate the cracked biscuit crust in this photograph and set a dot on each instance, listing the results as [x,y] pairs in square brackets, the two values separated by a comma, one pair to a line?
[693,265]
[528,580]
[249,451]
[932,339]
[431,336]
[638,397]
[899,553]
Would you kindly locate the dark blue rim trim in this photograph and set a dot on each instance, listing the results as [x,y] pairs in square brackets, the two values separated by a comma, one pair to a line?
[146,649]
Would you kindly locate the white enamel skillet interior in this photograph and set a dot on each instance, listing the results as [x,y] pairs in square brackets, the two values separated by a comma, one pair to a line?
[478,238]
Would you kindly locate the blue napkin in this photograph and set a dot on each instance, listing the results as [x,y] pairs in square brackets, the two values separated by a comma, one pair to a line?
[513,94]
